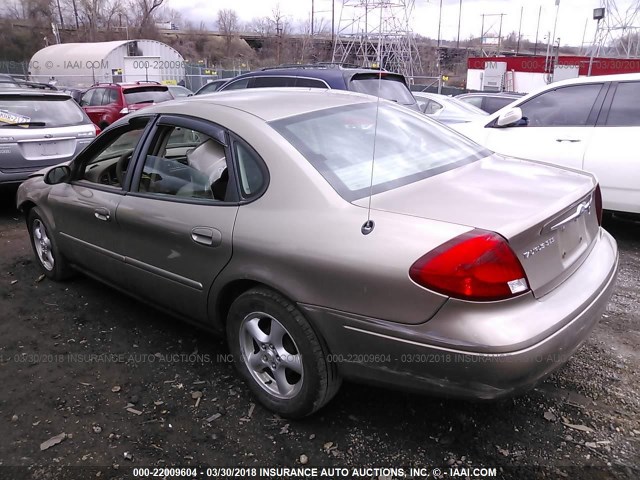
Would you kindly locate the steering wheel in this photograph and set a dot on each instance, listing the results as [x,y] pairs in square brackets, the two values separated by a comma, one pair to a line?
[122,164]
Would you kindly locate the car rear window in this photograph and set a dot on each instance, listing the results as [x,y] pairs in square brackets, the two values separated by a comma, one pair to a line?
[147,95]
[340,143]
[386,86]
[52,111]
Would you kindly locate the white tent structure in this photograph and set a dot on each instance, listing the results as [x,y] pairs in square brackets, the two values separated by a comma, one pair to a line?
[83,64]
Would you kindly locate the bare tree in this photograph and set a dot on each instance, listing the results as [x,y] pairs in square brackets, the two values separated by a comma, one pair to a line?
[260,25]
[228,25]
[145,10]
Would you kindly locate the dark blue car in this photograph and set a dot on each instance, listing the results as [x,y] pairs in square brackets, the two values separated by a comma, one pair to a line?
[388,85]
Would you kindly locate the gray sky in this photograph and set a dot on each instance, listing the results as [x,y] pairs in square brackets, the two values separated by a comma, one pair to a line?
[573,14]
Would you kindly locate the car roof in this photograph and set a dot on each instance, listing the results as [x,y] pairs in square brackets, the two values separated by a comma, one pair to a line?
[621,77]
[335,75]
[28,92]
[492,94]
[273,104]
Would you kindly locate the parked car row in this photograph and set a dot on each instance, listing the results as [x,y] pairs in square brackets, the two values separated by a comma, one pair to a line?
[333,235]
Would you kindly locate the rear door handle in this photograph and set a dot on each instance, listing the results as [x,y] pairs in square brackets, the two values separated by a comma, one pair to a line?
[571,140]
[206,236]
[102,214]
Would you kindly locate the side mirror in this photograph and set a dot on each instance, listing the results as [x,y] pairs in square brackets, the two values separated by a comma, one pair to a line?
[509,117]
[59,174]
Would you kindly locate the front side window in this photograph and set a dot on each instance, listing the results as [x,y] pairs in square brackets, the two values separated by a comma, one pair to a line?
[563,107]
[340,143]
[625,108]
[238,85]
[187,164]
[109,164]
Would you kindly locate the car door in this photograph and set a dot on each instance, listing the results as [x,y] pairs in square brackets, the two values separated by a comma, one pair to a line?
[178,219]
[613,154]
[85,208]
[560,124]
[92,104]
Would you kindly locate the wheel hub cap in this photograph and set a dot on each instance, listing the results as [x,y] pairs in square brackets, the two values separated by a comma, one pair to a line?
[271,355]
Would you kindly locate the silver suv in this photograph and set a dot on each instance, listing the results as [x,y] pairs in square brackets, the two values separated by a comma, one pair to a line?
[38,129]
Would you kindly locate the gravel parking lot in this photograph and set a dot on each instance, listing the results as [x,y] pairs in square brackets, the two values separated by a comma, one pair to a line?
[129,386]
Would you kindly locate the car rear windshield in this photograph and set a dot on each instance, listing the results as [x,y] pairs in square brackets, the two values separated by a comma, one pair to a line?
[40,111]
[390,87]
[147,95]
[340,143]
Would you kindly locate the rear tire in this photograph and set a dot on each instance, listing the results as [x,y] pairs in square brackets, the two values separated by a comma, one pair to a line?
[49,258]
[279,355]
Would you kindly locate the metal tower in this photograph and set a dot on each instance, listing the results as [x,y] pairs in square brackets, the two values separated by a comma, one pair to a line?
[618,33]
[376,33]
[491,34]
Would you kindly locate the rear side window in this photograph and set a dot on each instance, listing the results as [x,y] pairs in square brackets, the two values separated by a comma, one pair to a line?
[388,87]
[566,106]
[340,143]
[51,111]
[310,83]
[475,101]
[625,108]
[265,82]
[493,104]
[97,97]
[110,97]
[147,95]
[251,175]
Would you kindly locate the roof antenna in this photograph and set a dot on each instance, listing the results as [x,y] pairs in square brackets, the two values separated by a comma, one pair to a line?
[369,225]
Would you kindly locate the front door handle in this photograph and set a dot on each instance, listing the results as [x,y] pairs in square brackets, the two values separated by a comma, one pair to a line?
[571,140]
[206,236]
[102,214]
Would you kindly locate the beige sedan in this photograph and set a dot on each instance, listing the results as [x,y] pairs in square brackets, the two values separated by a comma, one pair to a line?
[334,235]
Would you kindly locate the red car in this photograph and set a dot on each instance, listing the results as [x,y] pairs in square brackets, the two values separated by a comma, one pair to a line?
[105,103]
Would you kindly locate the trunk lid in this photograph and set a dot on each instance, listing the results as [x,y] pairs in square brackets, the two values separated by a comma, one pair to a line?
[547,214]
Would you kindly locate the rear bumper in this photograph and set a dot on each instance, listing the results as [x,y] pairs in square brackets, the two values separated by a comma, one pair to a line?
[497,351]
[17,175]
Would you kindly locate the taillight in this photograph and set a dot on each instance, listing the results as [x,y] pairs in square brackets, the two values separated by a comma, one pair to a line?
[477,265]
[98,129]
[597,197]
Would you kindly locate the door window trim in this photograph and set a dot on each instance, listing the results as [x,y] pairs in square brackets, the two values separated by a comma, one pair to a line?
[213,130]
[101,142]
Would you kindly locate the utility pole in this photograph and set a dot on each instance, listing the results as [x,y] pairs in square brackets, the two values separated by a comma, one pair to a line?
[312,12]
[459,20]
[519,31]
[535,47]
[438,51]
[333,24]
[500,34]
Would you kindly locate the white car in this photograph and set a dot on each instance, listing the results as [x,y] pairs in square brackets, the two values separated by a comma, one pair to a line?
[447,109]
[588,123]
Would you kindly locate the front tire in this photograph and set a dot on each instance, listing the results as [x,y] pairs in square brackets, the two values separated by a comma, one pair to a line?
[49,258]
[279,355]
